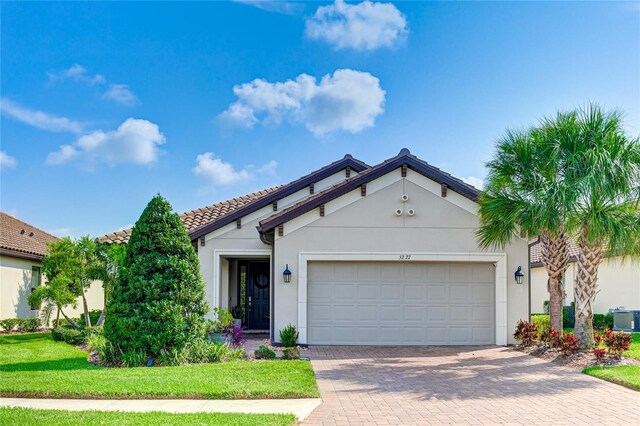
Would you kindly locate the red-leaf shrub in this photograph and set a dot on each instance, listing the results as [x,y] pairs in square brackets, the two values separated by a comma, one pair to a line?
[525,333]
[568,344]
[550,336]
[617,343]
[599,354]
[598,337]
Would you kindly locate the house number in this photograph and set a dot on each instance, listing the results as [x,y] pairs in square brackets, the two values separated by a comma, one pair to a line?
[404,257]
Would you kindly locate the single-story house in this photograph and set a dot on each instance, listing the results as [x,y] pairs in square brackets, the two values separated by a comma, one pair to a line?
[618,282]
[22,248]
[354,254]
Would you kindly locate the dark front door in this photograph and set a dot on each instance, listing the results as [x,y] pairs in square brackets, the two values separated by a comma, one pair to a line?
[258,280]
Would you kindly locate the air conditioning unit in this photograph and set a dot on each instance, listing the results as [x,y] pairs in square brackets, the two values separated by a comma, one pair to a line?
[625,320]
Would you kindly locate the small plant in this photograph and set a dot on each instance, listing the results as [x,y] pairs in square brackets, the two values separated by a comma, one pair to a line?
[71,336]
[598,338]
[568,344]
[223,320]
[599,353]
[238,312]
[289,336]
[29,325]
[95,342]
[525,333]
[235,335]
[9,324]
[542,323]
[134,358]
[291,353]
[617,343]
[550,336]
[264,352]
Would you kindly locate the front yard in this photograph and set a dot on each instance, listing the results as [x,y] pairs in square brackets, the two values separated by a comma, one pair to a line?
[33,365]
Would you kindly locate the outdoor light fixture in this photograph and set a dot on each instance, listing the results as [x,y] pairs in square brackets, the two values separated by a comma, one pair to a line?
[519,274]
[286,275]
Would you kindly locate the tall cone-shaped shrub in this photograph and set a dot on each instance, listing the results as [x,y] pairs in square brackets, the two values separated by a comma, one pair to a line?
[158,301]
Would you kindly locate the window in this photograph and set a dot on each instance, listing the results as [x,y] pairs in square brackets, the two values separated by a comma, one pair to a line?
[35,283]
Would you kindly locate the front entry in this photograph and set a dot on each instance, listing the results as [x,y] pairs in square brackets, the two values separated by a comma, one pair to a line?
[257,301]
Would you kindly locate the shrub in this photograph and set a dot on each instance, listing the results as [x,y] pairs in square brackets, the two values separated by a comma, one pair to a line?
[264,352]
[29,324]
[9,324]
[236,336]
[134,358]
[56,334]
[542,323]
[95,342]
[617,343]
[599,354]
[568,344]
[289,336]
[551,337]
[223,321]
[602,321]
[291,353]
[88,332]
[71,336]
[525,333]
[157,303]
[598,338]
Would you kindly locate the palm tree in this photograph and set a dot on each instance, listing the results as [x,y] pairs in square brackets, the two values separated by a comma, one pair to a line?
[524,197]
[600,168]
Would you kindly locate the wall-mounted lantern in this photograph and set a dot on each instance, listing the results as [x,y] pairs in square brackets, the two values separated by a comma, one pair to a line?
[519,275]
[286,275]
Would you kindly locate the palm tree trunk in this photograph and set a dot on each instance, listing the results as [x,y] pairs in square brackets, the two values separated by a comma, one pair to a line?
[72,322]
[58,317]
[555,257]
[104,306]
[589,258]
[102,316]
[87,318]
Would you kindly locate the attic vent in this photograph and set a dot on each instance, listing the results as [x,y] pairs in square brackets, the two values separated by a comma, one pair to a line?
[311,189]
[363,189]
[321,210]
[348,171]
[275,205]
[404,170]
[443,189]
[238,224]
[22,231]
[280,230]
[31,234]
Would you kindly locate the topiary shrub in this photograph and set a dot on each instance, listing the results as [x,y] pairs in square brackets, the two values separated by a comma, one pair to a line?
[264,352]
[157,303]
[56,334]
[289,336]
[71,336]
[291,353]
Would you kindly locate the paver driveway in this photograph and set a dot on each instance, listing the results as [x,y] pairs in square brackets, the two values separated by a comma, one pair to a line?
[460,385]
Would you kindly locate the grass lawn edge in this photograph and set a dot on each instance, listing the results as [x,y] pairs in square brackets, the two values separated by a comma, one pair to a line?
[592,371]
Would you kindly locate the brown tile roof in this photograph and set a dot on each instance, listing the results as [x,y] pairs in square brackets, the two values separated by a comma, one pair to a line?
[195,218]
[19,239]
[536,253]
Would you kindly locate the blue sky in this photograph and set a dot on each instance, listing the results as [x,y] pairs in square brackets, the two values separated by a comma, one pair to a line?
[106,104]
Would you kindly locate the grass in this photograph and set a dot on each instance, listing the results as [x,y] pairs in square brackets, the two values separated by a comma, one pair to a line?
[33,365]
[625,375]
[28,416]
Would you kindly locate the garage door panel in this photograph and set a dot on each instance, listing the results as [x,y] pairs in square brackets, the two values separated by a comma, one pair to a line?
[400,303]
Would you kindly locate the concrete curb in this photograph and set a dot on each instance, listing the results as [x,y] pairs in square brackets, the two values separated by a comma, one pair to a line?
[301,408]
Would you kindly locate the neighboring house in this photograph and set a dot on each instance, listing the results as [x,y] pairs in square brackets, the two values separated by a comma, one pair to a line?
[382,255]
[618,282]
[22,248]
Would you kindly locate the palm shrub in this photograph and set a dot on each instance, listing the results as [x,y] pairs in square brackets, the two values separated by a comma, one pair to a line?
[157,302]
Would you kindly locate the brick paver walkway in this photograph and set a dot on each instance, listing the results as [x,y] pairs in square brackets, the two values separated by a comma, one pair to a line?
[460,385]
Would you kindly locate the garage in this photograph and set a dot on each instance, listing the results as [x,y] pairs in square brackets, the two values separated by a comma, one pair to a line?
[401,303]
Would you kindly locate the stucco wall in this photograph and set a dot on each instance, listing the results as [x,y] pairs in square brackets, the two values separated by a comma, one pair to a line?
[618,285]
[368,225]
[15,286]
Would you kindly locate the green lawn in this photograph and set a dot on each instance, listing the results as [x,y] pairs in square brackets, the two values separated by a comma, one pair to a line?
[626,375]
[33,365]
[27,416]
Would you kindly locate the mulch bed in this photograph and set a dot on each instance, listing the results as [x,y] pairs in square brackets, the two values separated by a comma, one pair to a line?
[577,361]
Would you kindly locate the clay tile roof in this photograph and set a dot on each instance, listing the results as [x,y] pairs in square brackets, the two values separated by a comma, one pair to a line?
[20,239]
[536,252]
[198,217]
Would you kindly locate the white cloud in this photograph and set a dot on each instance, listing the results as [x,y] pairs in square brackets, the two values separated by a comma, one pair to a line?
[283,7]
[474,181]
[362,26]
[212,169]
[77,73]
[7,161]
[39,119]
[135,141]
[121,94]
[348,101]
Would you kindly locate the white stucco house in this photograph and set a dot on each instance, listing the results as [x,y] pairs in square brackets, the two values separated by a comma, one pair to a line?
[378,255]
[618,282]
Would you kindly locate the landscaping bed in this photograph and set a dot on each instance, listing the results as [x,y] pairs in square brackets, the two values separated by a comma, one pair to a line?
[28,416]
[33,365]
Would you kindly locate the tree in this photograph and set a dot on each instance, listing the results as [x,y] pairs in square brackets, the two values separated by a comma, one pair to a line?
[524,196]
[157,303]
[601,177]
[109,261]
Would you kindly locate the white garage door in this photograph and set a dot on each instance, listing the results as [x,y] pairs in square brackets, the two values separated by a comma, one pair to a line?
[400,303]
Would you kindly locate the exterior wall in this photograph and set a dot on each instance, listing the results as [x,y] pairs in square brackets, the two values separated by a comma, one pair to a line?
[15,286]
[618,285]
[231,242]
[356,224]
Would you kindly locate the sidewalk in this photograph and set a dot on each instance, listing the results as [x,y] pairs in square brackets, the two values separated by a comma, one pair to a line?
[301,408]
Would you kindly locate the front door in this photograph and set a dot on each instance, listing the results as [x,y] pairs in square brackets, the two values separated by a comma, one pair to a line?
[258,273]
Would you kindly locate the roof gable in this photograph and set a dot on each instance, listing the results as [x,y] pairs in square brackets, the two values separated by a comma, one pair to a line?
[403,158]
[20,239]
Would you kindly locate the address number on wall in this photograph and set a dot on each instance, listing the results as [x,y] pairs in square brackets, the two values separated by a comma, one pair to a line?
[404,257]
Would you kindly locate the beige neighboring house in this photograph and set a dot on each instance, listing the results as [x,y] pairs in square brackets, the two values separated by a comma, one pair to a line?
[354,254]
[22,248]
[618,282]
